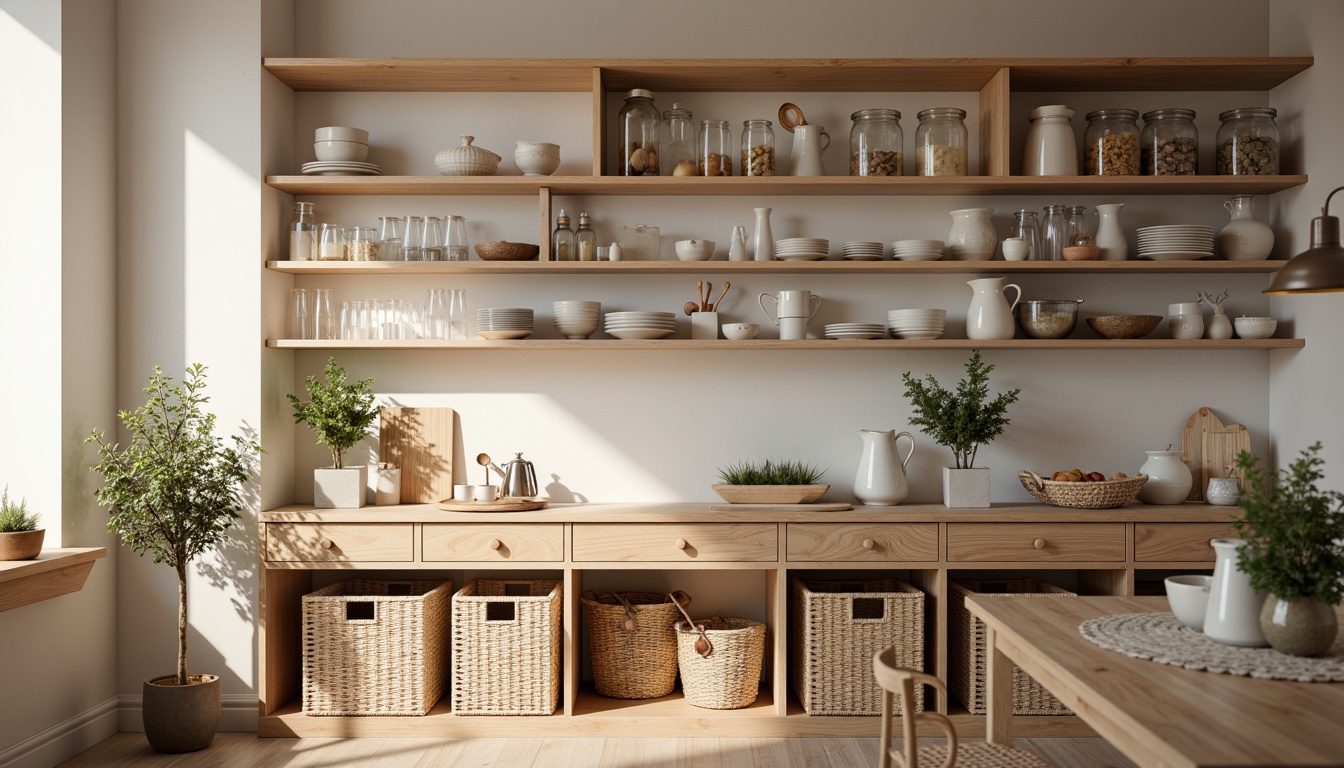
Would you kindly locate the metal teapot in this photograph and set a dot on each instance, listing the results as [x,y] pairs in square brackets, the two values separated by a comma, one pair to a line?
[520,480]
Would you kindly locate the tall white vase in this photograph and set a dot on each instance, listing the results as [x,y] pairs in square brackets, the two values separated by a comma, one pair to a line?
[762,241]
[1110,236]
[1233,615]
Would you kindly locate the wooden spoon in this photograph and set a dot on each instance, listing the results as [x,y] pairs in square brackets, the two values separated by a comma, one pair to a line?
[690,308]
[704,304]
[715,306]
[699,293]
[484,460]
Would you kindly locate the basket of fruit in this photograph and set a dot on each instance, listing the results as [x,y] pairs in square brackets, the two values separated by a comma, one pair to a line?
[1083,490]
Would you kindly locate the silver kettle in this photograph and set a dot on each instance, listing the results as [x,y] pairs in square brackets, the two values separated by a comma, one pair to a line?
[520,480]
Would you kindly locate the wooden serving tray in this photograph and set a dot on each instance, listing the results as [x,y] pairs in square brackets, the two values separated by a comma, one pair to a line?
[503,505]
[827,506]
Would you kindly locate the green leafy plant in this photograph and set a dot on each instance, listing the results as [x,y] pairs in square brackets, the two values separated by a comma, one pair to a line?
[175,489]
[960,420]
[15,518]
[1294,532]
[770,472]
[339,413]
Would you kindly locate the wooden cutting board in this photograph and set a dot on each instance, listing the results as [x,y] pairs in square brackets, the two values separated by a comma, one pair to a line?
[822,506]
[1207,446]
[1220,451]
[420,442]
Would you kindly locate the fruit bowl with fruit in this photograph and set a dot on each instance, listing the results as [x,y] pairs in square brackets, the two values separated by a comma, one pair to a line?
[1083,490]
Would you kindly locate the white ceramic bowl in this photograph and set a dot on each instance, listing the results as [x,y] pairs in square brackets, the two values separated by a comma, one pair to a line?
[341,133]
[740,331]
[695,250]
[340,151]
[1016,249]
[1189,597]
[1255,327]
[536,158]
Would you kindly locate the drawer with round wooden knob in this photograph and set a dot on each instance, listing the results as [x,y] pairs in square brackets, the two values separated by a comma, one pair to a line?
[676,542]
[1155,542]
[1035,542]
[514,542]
[340,542]
[861,542]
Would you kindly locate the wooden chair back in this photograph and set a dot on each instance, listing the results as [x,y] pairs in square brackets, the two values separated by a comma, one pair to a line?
[901,681]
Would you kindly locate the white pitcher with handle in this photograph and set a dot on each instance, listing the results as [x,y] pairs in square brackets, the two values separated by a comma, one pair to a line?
[990,315]
[881,476]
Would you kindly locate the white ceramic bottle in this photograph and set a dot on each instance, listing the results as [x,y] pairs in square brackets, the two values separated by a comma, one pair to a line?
[880,479]
[1244,238]
[1051,149]
[972,237]
[1110,236]
[762,241]
[1233,615]
[737,244]
[1169,479]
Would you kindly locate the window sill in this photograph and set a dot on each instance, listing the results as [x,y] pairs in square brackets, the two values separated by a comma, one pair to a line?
[55,572]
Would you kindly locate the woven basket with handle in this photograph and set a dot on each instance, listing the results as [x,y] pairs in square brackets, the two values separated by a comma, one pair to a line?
[632,641]
[720,660]
[1099,495]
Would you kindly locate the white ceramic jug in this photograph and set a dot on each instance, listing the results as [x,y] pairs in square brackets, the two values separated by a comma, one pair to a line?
[990,315]
[1244,238]
[1233,615]
[972,237]
[881,476]
[1110,237]
[807,148]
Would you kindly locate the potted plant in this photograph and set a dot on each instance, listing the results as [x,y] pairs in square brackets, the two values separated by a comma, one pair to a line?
[20,538]
[1293,549]
[173,492]
[340,413]
[770,482]
[963,421]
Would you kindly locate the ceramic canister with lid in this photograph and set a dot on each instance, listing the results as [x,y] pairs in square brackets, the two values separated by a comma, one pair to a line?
[1169,479]
[1051,149]
[1185,320]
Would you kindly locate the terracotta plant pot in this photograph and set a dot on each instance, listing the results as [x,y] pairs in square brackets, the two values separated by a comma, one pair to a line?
[181,718]
[21,545]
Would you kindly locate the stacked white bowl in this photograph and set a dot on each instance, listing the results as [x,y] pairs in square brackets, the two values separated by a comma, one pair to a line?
[640,325]
[917,250]
[576,319]
[504,322]
[916,323]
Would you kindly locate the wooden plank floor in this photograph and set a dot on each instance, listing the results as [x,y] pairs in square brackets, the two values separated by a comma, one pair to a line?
[240,750]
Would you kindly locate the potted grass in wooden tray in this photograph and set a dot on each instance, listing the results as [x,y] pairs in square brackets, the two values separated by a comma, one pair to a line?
[770,482]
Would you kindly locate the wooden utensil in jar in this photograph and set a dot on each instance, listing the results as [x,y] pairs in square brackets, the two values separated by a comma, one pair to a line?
[791,116]
[704,303]
[690,308]
[715,306]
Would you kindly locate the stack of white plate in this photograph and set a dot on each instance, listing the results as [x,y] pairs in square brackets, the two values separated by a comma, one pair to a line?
[802,249]
[1176,241]
[576,319]
[916,323]
[340,168]
[504,322]
[862,250]
[855,331]
[641,325]
[917,250]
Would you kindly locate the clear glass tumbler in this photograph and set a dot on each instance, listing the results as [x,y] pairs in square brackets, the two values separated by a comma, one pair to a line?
[433,238]
[1055,233]
[413,244]
[436,314]
[1026,227]
[300,326]
[320,311]
[457,314]
[456,246]
[390,234]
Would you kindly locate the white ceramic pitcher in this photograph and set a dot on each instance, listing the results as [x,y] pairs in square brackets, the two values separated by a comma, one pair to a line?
[990,315]
[809,141]
[881,476]
[1233,615]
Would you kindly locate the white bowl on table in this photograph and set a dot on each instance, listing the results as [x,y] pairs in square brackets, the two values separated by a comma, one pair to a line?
[1188,596]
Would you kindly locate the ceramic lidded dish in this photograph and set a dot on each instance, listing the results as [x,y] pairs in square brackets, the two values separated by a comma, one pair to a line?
[467,160]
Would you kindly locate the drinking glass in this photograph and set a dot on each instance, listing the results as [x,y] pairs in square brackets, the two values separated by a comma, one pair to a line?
[299,326]
[1054,235]
[390,235]
[321,313]
[349,320]
[457,248]
[436,314]
[413,244]
[433,238]
[457,314]
[1025,227]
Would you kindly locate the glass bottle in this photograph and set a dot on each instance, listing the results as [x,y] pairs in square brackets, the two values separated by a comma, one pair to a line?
[562,239]
[1248,142]
[1075,225]
[433,238]
[875,143]
[676,139]
[456,247]
[331,245]
[1170,143]
[1054,233]
[638,133]
[321,312]
[714,148]
[390,234]
[1026,226]
[758,148]
[1111,143]
[940,142]
[364,244]
[585,240]
[303,232]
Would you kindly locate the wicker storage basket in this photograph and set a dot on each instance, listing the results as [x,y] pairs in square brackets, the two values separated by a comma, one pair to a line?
[835,629]
[1100,495]
[967,662]
[375,647]
[506,647]
[632,642]
[720,661]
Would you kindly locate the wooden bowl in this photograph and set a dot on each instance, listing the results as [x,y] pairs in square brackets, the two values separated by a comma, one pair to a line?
[1081,252]
[505,251]
[1124,326]
[770,494]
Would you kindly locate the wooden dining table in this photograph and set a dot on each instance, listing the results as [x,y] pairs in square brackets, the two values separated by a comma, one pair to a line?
[1156,714]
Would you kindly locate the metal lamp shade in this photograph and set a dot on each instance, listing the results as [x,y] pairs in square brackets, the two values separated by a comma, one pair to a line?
[1320,268]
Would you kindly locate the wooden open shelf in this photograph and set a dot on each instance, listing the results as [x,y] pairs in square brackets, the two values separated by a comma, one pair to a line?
[776,344]
[53,573]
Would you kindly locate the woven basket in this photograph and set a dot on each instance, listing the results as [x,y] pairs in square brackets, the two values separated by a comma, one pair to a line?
[632,643]
[835,630]
[967,659]
[1101,495]
[725,672]
[506,647]
[375,647]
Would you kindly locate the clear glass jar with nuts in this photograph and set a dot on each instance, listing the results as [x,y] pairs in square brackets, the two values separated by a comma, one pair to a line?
[1111,143]
[940,142]
[758,148]
[714,148]
[676,139]
[1248,142]
[875,143]
[638,121]
[1170,143]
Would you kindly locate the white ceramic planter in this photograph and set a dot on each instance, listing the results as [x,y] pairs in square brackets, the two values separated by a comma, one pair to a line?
[966,487]
[340,488]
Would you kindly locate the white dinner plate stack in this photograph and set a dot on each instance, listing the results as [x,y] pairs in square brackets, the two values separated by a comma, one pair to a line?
[641,325]
[504,322]
[340,168]
[577,319]
[855,331]
[862,250]
[802,249]
[917,250]
[916,323]
[1176,241]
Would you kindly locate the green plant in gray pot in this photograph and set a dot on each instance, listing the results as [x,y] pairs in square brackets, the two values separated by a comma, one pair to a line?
[20,538]
[1294,550]
[173,491]
[340,413]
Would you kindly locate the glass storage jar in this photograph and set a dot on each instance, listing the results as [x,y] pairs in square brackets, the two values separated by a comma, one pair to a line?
[714,150]
[1111,143]
[333,242]
[1248,142]
[1170,143]
[639,243]
[676,139]
[363,244]
[638,129]
[875,143]
[303,232]
[1028,228]
[758,148]
[940,142]
[1075,226]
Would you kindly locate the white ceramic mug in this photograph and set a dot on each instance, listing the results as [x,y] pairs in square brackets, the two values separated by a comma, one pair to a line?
[790,304]
[462,493]
[485,492]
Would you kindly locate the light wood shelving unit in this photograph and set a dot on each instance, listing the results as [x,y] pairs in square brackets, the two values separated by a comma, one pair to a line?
[835,345]
[828,267]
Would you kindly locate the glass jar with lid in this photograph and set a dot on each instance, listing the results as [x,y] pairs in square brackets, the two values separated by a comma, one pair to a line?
[1111,143]
[638,121]
[758,148]
[875,143]
[713,146]
[940,142]
[676,138]
[1248,142]
[1170,143]
[303,233]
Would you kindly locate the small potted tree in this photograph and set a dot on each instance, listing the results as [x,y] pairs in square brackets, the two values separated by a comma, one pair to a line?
[963,421]
[1293,549]
[173,492]
[340,414]
[20,538]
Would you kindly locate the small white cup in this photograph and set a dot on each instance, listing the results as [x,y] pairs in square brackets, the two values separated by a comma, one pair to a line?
[1016,249]
[462,493]
[485,492]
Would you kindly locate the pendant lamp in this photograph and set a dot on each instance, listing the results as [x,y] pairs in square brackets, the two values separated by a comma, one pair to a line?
[1320,268]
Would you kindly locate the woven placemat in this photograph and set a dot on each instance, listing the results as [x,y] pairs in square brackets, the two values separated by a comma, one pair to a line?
[1160,637]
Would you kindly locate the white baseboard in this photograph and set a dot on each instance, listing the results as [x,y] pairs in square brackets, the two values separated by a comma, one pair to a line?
[67,739]
[238,714]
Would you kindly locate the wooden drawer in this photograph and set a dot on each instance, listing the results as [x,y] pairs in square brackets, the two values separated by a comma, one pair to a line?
[1035,542]
[676,542]
[1178,541]
[861,542]
[493,543]
[340,542]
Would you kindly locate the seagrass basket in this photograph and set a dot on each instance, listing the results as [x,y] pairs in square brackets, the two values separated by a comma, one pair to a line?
[506,647]
[1100,495]
[720,661]
[632,643]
